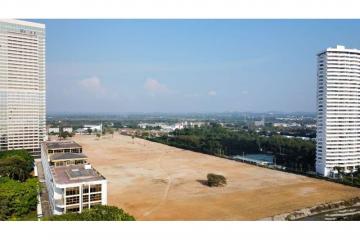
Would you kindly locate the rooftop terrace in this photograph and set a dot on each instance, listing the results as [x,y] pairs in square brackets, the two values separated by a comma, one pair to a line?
[61,145]
[67,156]
[75,174]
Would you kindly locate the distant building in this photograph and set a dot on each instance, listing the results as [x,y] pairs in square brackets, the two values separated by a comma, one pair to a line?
[338,107]
[93,127]
[197,124]
[72,183]
[163,126]
[22,85]
[280,125]
[260,123]
[67,129]
[151,125]
[53,130]
[287,125]
[294,125]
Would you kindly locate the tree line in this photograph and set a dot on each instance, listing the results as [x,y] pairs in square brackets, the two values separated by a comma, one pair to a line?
[18,189]
[214,139]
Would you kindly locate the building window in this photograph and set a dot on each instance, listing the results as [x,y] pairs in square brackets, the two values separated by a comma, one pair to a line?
[85,188]
[79,162]
[72,191]
[73,209]
[85,198]
[59,164]
[95,197]
[72,200]
[95,188]
[70,162]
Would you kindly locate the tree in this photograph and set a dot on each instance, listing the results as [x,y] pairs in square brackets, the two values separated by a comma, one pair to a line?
[16,164]
[65,135]
[17,199]
[98,135]
[340,171]
[215,180]
[111,131]
[132,137]
[14,167]
[89,130]
[96,213]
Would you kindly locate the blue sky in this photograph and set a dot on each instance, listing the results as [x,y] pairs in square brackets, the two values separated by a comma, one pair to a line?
[188,65]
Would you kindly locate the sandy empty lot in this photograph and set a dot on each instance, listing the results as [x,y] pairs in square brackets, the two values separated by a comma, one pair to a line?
[157,182]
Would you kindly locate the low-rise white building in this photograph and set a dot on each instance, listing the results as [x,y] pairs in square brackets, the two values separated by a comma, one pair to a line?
[280,125]
[93,127]
[54,130]
[260,123]
[72,183]
[67,129]
[287,125]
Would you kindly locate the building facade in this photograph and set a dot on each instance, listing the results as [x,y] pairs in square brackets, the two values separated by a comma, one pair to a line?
[72,183]
[338,111]
[22,85]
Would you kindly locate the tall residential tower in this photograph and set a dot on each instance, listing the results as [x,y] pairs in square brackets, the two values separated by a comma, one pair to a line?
[338,111]
[22,85]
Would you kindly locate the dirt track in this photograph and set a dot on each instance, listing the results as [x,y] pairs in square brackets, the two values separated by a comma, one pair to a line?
[157,182]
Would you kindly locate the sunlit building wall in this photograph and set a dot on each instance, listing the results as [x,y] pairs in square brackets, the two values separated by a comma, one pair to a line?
[22,85]
[338,111]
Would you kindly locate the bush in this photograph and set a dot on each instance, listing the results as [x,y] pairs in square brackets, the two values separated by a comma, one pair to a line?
[215,180]
[17,199]
[96,213]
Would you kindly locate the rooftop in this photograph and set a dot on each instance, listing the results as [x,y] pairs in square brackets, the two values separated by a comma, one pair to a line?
[61,144]
[75,174]
[25,23]
[66,156]
[340,48]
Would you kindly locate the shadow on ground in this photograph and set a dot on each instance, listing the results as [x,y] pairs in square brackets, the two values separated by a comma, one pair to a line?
[203,182]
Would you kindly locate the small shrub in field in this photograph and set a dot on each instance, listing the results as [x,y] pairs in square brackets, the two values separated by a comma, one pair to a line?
[215,180]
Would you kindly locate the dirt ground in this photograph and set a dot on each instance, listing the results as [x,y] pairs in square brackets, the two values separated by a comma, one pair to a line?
[156,182]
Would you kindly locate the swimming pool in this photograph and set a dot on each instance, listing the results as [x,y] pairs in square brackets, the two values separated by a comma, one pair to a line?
[256,158]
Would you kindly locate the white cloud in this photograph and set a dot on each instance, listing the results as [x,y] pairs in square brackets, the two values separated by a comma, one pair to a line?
[93,84]
[212,93]
[154,86]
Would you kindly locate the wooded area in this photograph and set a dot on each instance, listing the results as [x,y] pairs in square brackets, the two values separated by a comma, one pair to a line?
[293,153]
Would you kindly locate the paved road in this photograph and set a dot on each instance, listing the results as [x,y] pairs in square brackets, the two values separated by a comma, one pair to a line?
[44,196]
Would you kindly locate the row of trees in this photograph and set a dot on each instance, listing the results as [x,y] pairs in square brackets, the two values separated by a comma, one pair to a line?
[293,153]
[18,189]
[66,134]
[96,213]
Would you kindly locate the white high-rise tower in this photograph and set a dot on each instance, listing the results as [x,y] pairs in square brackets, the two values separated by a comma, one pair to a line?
[338,110]
[22,85]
